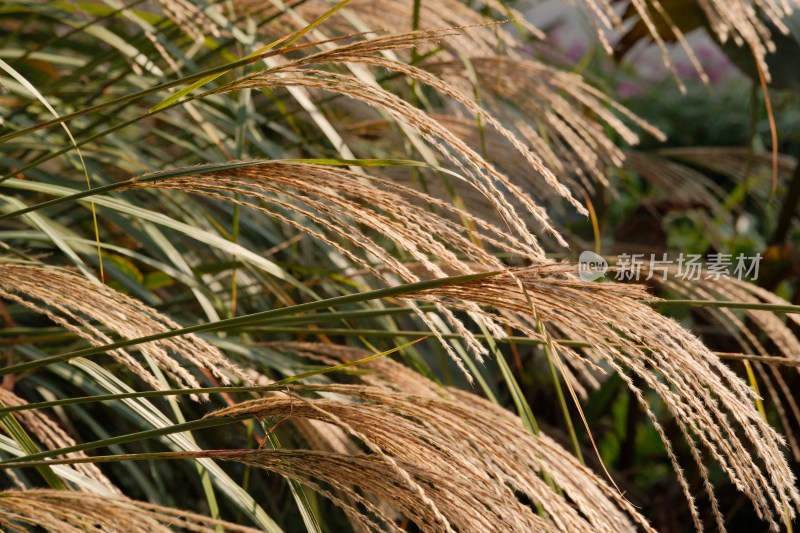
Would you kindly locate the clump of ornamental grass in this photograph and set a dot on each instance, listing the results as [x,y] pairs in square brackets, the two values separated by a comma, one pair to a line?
[390,445]
[441,457]
[713,407]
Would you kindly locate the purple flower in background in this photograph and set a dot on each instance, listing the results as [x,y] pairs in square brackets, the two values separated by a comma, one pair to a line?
[628,89]
[686,70]
[576,50]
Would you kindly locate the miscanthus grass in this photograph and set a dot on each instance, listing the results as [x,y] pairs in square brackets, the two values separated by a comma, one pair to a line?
[192,192]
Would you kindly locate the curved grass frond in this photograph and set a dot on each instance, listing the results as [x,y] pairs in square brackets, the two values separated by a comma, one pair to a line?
[491,144]
[446,504]
[76,512]
[453,148]
[548,112]
[450,452]
[354,207]
[481,39]
[754,331]
[564,138]
[77,303]
[334,205]
[196,21]
[709,402]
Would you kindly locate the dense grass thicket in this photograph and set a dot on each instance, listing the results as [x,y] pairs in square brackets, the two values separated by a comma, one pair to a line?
[418,265]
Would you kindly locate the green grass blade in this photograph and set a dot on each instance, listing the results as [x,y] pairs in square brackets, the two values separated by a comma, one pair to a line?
[21,437]
[208,390]
[194,425]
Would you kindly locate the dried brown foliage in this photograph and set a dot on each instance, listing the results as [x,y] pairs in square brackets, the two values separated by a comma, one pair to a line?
[81,305]
[77,512]
[396,444]
[444,458]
